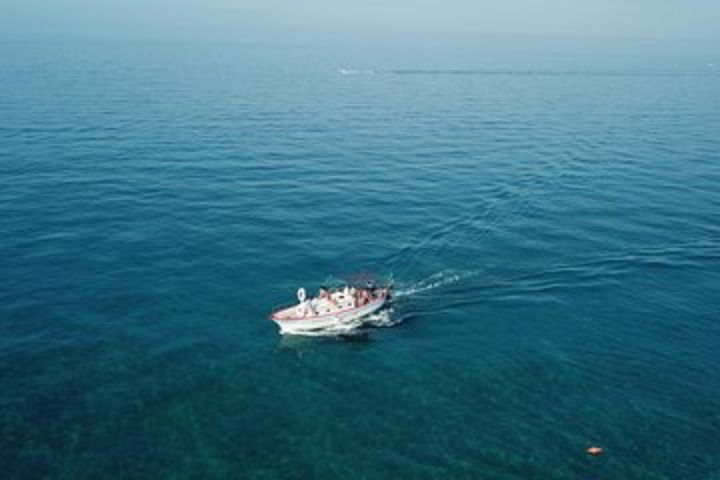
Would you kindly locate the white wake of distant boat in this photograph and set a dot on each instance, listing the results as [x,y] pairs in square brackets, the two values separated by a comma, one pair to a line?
[353,71]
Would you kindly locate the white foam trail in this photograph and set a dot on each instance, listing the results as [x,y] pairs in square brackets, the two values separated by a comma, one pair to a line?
[436,280]
[352,71]
[383,318]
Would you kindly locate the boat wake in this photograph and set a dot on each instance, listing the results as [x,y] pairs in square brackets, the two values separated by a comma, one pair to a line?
[383,319]
[354,71]
[552,283]
[436,280]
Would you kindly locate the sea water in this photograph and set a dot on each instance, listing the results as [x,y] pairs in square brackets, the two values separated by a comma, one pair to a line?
[550,219]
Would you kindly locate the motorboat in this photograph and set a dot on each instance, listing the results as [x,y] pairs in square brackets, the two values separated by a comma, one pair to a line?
[332,309]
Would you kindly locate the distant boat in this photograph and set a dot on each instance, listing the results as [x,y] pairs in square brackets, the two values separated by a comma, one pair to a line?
[334,308]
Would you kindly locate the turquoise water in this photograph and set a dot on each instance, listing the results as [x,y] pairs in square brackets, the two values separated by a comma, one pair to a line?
[551,221]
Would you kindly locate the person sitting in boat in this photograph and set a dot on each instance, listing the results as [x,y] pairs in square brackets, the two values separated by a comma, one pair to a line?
[325,297]
[352,296]
[363,297]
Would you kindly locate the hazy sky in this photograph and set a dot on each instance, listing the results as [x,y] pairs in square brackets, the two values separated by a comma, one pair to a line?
[292,19]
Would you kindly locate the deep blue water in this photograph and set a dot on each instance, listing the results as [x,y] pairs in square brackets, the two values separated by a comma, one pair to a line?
[551,220]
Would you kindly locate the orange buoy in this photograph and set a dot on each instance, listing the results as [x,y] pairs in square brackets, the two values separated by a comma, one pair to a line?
[595,451]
